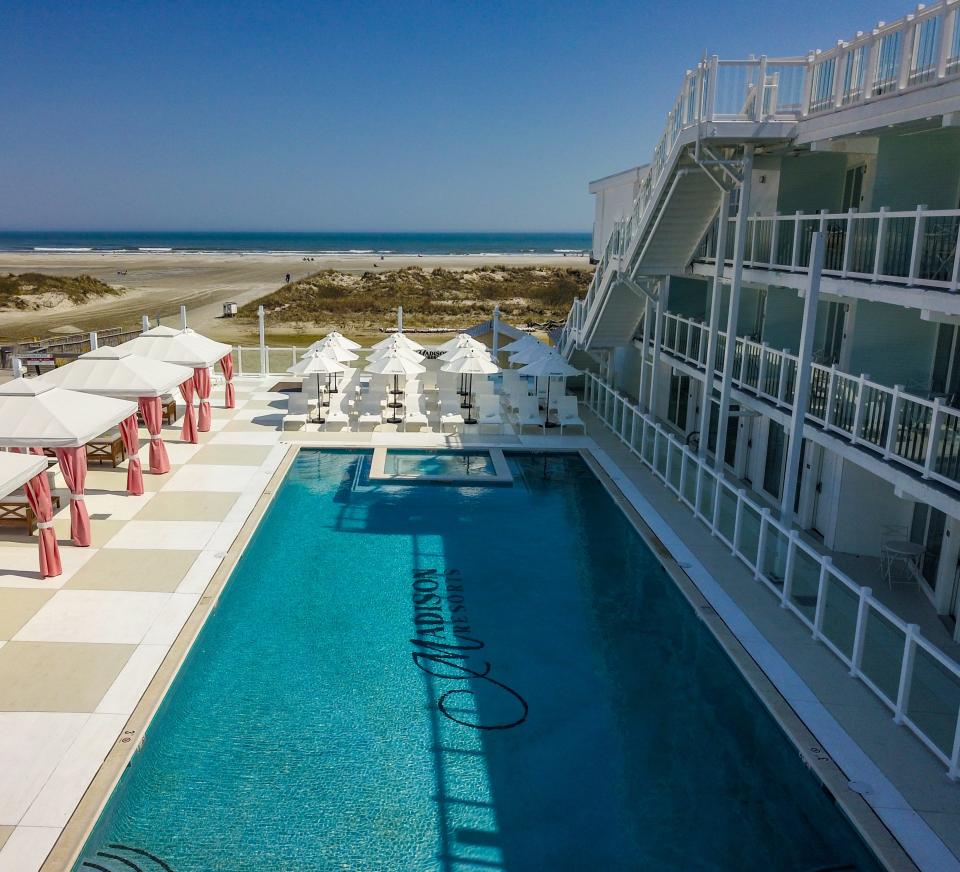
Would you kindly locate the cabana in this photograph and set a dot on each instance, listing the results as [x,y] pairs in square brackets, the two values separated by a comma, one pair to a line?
[115,372]
[29,471]
[187,348]
[35,414]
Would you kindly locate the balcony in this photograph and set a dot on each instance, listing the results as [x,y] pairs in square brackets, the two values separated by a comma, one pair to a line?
[918,434]
[910,249]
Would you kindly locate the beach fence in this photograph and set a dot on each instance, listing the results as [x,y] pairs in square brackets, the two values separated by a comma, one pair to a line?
[55,350]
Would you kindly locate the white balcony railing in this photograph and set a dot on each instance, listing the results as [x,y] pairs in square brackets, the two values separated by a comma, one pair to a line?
[918,433]
[916,248]
[917,51]
[911,676]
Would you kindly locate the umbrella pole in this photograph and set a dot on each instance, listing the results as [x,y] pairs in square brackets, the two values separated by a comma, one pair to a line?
[320,419]
[394,418]
[470,418]
[546,417]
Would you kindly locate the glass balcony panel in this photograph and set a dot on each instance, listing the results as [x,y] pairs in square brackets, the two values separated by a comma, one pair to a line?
[840,615]
[882,653]
[934,700]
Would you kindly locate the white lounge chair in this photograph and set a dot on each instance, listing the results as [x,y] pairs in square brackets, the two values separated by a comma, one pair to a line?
[528,413]
[567,414]
[298,412]
[335,419]
[369,414]
[488,412]
[415,415]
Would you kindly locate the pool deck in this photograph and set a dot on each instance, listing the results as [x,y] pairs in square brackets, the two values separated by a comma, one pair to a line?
[78,652]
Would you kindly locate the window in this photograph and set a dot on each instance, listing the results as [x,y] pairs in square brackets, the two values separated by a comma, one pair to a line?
[773,463]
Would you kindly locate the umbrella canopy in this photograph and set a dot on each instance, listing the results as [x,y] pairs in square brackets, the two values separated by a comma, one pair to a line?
[36,414]
[399,350]
[471,361]
[551,365]
[461,340]
[524,342]
[332,348]
[183,347]
[115,372]
[398,338]
[17,469]
[337,337]
[529,354]
[394,364]
[457,353]
[317,362]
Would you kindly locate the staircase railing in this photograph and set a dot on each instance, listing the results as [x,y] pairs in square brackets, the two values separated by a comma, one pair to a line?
[920,247]
[910,675]
[919,50]
[920,433]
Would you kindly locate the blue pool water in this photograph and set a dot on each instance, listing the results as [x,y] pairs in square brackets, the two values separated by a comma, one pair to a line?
[410,462]
[413,678]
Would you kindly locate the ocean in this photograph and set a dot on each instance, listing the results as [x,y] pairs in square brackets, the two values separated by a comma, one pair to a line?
[297,243]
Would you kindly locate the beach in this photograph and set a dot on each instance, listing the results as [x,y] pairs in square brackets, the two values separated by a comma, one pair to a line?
[156,284]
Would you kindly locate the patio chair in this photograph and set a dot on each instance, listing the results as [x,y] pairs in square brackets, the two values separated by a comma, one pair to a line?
[567,414]
[528,413]
[488,412]
[369,414]
[298,412]
[335,419]
[415,416]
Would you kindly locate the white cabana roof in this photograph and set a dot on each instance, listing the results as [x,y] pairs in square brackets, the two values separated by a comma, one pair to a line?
[18,469]
[115,372]
[183,347]
[34,413]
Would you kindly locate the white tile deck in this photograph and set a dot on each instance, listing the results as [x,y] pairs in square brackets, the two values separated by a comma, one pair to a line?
[210,477]
[176,535]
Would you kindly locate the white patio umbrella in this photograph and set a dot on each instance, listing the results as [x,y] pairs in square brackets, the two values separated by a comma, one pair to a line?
[471,362]
[520,344]
[549,366]
[35,414]
[341,340]
[461,340]
[316,362]
[333,349]
[529,354]
[398,338]
[396,365]
[400,350]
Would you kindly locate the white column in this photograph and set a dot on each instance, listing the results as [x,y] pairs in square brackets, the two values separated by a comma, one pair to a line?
[400,319]
[263,343]
[733,315]
[144,323]
[716,296]
[183,317]
[496,331]
[17,366]
[648,316]
[93,340]
[657,342]
[801,393]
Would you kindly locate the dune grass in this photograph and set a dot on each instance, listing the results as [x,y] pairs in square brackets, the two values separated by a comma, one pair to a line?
[527,296]
[39,291]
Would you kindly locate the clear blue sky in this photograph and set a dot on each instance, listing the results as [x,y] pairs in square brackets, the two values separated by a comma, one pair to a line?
[355,115]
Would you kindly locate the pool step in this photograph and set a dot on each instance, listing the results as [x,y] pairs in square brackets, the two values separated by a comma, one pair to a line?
[124,858]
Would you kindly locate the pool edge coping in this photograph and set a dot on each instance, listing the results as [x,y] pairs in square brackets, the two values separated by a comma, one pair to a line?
[885,830]
[74,835]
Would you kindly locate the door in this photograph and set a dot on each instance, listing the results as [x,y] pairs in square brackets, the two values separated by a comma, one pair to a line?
[927,530]
[773,462]
[945,378]
[679,402]
[853,187]
[833,334]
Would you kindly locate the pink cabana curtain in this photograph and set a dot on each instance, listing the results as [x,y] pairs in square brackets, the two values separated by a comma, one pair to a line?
[152,410]
[229,397]
[73,465]
[189,431]
[131,442]
[201,381]
[38,495]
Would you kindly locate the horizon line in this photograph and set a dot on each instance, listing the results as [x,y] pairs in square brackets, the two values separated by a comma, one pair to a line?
[246,230]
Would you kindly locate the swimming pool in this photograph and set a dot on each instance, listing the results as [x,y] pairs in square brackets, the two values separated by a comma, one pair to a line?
[455,678]
[413,462]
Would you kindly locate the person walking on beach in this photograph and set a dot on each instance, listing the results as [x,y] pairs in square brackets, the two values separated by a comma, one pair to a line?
[287,279]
